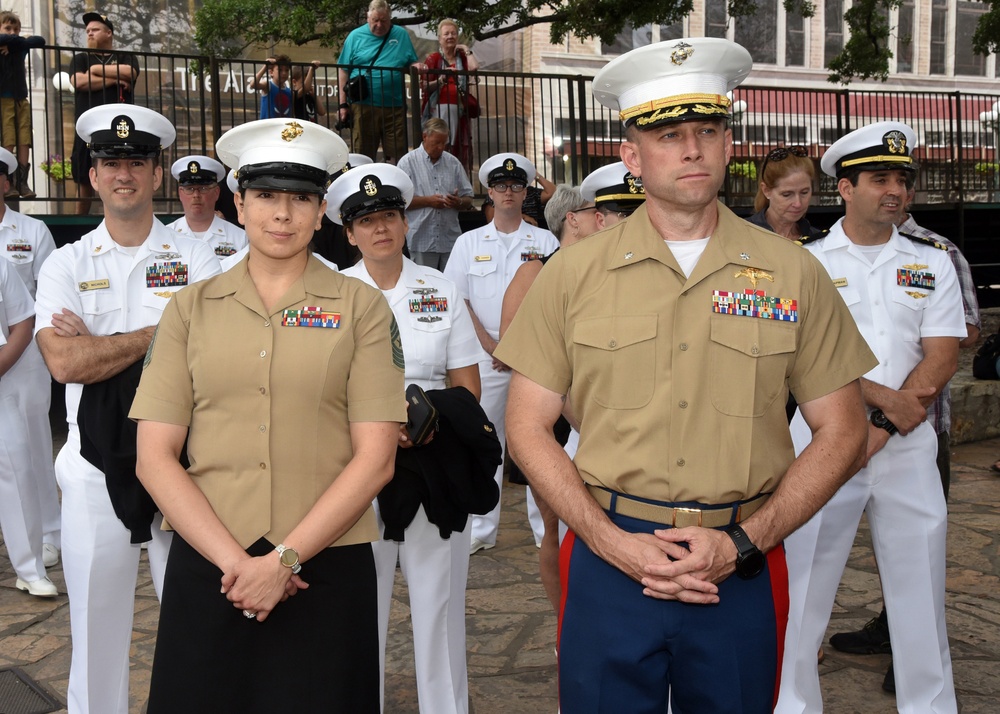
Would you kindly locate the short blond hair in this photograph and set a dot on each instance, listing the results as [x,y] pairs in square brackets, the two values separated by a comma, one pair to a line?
[447,21]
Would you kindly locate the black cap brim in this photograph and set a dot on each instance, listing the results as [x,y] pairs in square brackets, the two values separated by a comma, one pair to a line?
[283,176]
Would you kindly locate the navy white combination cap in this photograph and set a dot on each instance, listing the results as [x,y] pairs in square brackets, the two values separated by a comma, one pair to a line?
[197,170]
[506,167]
[8,162]
[876,147]
[367,189]
[353,161]
[672,81]
[283,155]
[125,130]
[614,188]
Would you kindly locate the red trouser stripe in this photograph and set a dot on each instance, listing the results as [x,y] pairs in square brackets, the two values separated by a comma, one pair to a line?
[778,570]
[565,552]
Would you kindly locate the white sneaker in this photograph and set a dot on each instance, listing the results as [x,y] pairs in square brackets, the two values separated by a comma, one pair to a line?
[478,545]
[38,588]
[50,555]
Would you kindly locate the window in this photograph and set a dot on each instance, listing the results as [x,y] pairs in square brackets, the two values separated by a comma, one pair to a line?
[795,40]
[629,39]
[834,20]
[937,138]
[939,35]
[828,136]
[758,32]
[904,37]
[715,18]
[967,62]
[596,128]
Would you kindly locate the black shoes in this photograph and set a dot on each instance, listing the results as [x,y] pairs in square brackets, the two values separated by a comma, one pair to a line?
[889,683]
[873,638]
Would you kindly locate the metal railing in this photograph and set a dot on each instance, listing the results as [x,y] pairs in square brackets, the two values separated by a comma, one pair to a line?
[552,119]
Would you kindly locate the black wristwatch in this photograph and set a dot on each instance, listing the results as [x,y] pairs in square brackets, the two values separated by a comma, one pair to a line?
[880,420]
[749,558]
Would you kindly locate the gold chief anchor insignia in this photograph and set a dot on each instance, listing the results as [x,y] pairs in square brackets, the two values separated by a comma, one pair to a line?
[754,275]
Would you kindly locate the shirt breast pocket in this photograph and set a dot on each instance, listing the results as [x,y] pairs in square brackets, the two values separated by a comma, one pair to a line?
[430,341]
[749,359]
[484,280]
[156,300]
[101,311]
[617,357]
[907,314]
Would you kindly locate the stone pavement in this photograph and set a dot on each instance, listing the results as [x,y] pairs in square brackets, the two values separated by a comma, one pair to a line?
[511,630]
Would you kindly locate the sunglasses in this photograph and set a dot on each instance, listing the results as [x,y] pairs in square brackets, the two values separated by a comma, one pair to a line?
[782,153]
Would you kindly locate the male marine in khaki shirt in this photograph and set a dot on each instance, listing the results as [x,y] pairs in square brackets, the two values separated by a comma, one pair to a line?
[676,336]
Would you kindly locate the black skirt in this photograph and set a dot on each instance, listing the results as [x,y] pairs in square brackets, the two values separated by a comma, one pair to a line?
[317,651]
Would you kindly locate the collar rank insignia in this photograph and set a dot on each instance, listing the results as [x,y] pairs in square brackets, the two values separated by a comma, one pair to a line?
[914,278]
[310,317]
[744,256]
[754,275]
[755,303]
[97,249]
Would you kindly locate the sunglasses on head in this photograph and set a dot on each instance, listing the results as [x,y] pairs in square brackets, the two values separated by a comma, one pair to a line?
[782,153]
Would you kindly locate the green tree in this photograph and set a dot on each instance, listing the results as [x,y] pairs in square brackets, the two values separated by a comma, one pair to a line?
[226,28]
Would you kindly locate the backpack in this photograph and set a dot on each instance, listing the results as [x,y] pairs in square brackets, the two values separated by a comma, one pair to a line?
[984,364]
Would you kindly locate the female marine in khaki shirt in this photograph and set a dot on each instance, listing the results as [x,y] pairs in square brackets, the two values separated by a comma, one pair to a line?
[286,379]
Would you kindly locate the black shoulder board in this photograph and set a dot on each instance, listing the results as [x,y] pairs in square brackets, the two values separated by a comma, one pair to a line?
[813,237]
[926,241]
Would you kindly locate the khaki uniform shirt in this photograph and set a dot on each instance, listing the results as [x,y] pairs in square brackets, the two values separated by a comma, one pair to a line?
[269,405]
[677,400]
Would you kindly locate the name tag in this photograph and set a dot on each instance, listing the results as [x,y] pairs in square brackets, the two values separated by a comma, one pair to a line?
[840,282]
[484,258]
[94,285]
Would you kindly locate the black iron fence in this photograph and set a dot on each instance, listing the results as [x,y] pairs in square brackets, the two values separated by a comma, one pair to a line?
[552,119]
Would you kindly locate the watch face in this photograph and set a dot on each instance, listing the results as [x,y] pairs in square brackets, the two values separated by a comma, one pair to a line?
[289,557]
[750,565]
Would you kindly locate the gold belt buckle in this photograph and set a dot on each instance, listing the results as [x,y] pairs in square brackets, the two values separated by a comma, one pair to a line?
[685,510]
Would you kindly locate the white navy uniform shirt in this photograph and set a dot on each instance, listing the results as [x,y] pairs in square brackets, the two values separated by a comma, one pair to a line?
[434,323]
[26,243]
[224,238]
[893,316]
[15,301]
[113,291]
[482,266]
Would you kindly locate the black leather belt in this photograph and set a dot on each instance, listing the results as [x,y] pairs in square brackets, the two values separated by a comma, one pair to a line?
[677,516]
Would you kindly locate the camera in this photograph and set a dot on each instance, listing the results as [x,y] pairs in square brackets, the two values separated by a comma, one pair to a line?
[347,123]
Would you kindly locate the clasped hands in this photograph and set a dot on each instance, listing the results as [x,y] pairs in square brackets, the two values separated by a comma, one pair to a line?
[258,584]
[683,564]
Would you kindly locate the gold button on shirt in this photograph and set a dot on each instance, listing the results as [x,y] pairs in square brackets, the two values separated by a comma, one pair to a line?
[269,406]
[676,401]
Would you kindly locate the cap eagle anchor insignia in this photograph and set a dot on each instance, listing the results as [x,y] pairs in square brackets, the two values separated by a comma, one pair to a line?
[292,130]
[682,52]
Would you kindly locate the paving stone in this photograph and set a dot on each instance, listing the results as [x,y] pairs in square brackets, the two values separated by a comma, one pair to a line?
[511,629]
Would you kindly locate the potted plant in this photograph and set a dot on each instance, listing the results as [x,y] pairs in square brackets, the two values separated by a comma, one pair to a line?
[57,168]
